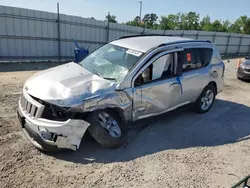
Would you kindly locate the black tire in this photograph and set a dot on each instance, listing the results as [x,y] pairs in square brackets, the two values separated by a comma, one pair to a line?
[101,134]
[197,106]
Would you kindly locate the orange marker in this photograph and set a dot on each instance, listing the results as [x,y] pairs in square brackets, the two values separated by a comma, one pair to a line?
[238,64]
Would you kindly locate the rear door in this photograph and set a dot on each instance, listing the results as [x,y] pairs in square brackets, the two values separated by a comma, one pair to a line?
[196,67]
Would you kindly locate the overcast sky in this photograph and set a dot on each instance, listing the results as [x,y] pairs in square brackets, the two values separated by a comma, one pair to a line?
[126,10]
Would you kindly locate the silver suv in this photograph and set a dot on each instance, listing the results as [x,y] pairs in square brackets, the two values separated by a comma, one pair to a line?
[126,80]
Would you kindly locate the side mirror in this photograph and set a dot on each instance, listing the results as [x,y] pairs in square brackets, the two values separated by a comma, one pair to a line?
[146,75]
[138,80]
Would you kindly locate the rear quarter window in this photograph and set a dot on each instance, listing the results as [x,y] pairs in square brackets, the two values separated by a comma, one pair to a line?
[216,56]
[194,58]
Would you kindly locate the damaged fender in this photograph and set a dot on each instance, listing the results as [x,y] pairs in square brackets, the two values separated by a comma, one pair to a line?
[121,100]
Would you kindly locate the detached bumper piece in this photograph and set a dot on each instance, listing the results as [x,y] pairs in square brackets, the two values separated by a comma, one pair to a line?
[37,141]
[48,134]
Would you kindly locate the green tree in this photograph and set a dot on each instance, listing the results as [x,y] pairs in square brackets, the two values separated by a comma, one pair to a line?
[205,24]
[225,25]
[183,22]
[216,26]
[192,21]
[111,18]
[239,26]
[189,21]
[246,28]
[234,28]
[150,20]
[169,22]
[135,22]
[245,24]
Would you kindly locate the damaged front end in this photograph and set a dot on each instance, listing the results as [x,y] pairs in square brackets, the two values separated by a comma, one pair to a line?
[49,127]
[55,102]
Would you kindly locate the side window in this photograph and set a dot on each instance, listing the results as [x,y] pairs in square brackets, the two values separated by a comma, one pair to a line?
[163,67]
[195,58]
[216,58]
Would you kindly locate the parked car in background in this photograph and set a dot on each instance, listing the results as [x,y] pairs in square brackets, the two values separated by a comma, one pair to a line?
[243,72]
[126,80]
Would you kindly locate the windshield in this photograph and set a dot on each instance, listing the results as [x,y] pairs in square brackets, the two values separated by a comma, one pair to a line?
[111,62]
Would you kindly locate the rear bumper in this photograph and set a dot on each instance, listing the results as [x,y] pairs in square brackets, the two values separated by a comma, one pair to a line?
[52,135]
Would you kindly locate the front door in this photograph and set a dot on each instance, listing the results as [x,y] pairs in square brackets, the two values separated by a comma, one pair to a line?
[158,88]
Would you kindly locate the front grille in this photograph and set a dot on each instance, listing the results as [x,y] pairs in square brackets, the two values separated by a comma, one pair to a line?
[32,109]
[247,70]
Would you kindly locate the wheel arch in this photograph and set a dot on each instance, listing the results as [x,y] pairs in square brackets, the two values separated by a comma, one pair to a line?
[116,110]
[213,83]
[119,112]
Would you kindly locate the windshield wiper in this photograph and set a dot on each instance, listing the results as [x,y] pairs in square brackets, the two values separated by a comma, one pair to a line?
[107,78]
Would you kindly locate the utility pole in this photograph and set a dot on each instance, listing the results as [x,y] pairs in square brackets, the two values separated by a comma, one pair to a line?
[140,9]
[58,33]
[108,27]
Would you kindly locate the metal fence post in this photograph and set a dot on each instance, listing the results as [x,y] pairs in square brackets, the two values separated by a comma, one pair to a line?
[214,37]
[239,44]
[197,35]
[228,40]
[142,33]
[108,29]
[249,51]
[58,33]
[165,29]
[182,34]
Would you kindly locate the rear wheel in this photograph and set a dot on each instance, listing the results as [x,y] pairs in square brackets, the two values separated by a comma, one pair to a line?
[206,99]
[107,128]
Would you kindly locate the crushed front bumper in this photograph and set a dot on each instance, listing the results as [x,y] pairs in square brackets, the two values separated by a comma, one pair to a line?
[47,134]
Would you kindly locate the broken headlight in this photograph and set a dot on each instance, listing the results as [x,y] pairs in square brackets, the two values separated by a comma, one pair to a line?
[53,112]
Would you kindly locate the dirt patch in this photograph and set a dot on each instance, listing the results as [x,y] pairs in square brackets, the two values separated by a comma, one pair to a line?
[180,150]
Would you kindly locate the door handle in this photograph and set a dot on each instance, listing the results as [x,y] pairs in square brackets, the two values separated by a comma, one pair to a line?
[174,84]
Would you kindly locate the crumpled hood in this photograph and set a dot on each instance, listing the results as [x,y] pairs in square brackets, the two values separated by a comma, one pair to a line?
[66,85]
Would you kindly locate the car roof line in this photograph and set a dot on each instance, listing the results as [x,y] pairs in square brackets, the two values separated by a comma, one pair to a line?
[164,44]
[176,42]
[144,35]
[184,41]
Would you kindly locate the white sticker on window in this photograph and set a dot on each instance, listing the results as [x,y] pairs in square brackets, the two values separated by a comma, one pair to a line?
[134,52]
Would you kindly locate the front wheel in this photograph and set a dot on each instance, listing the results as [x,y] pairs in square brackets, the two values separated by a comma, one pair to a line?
[206,99]
[107,128]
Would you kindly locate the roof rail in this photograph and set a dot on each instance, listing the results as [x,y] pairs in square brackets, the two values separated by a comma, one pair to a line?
[145,35]
[184,41]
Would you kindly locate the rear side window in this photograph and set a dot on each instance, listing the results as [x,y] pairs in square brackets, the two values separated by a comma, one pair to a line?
[194,58]
[216,57]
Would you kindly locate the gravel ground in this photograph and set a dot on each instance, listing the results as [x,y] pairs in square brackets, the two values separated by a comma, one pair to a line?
[183,149]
